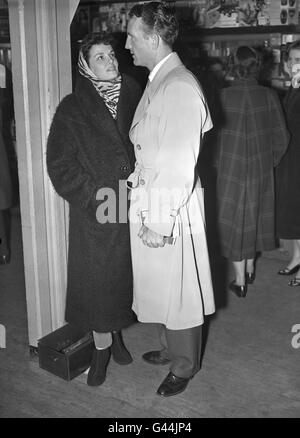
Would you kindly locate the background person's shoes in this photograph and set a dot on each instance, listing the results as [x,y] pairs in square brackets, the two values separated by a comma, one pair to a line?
[250,277]
[239,291]
[294,282]
[156,358]
[119,352]
[287,271]
[172,385]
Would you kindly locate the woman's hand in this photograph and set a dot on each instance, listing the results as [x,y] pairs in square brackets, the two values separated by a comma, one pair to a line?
[150,238]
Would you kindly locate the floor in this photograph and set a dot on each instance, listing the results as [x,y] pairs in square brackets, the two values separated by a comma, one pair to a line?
[250,367]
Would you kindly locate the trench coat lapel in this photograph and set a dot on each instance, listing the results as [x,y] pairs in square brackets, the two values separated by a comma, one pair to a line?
[124,111]
[172,62]
[141,108]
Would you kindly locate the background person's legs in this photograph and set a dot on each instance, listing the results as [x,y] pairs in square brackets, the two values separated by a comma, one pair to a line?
[250,266]
[239,271]
[295,255]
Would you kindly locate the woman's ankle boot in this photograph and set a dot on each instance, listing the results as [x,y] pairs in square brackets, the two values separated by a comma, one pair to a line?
[119,352]
[97,372]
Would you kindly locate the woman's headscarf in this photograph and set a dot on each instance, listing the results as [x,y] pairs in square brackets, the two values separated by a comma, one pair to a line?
[108,90]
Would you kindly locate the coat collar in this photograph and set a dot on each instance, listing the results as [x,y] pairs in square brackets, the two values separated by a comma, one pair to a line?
[97,113]
[92,105]
[126,108]
[171,63]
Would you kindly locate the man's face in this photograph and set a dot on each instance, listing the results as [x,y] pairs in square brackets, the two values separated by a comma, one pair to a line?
[139,43]
[293,62]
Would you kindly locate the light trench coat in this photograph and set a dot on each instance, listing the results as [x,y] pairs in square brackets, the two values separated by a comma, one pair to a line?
[172,285]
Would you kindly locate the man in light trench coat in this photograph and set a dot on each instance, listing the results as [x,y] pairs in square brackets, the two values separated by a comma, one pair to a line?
[172,279]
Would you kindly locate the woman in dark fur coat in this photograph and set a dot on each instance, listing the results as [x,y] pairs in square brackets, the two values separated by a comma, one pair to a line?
[89,157]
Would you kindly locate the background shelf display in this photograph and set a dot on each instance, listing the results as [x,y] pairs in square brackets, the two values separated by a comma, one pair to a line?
[5,49]
[210,14]
[4,24]
[215,28]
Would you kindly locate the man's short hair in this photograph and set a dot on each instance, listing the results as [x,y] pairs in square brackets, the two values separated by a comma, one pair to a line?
[159,18]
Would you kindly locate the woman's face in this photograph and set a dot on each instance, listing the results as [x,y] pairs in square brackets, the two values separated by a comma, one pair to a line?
[103,62]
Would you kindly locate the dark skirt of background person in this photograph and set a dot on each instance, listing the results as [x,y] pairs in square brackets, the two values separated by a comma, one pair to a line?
[288,174]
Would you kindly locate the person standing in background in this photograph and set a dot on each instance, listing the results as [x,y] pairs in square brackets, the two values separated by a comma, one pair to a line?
[288,174]
[6,193]
[171,270]
[251,140]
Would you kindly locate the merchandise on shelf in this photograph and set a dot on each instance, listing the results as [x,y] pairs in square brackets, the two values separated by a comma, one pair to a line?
[214,14]
[233,13]
[271,49]
[205,13]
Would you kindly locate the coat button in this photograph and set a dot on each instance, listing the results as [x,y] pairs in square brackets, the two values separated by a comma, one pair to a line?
[138,146]
[125,168]
[142,181]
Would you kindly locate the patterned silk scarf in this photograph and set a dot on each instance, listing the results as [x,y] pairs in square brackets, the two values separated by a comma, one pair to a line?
[108,90]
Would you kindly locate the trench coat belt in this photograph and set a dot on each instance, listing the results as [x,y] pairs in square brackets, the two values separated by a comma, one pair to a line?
[135,180]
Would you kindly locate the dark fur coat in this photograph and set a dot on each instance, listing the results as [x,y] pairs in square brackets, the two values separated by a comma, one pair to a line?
[88,150]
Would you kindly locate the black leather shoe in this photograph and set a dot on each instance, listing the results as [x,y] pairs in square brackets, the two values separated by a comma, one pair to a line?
[172,385]
[156,358]
[294,282]
[287,271]
[239,291]
[250,277]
